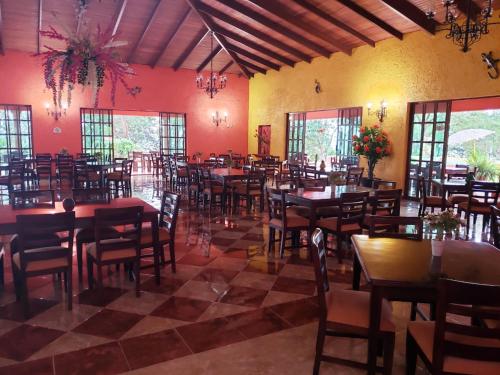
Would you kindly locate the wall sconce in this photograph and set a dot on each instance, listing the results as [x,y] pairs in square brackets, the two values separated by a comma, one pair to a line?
[220,119]
[56,112]
[381,113]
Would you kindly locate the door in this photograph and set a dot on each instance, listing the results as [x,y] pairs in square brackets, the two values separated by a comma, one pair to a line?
[97,132]
[348,125]
[295,135]
[264,138]
[427,142]
[173,133]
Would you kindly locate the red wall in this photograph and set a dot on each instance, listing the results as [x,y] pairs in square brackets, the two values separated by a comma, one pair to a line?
[21,82]
[479,104]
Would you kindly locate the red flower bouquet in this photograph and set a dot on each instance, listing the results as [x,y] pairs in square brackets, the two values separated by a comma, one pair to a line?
[372,143]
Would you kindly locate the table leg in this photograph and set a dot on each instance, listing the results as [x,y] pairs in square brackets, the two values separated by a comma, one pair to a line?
[356,273]
[375,314]
[312,226]
[156,249]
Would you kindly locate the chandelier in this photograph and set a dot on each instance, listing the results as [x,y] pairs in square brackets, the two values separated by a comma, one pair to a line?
[214,82]
[474,27]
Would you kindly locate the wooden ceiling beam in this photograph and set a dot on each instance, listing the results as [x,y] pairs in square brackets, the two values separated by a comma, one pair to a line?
[253,45]
[371,17]
[2,51]
[171,37]
[209,24]
[265,37]
[463,6]
[117,19]
[282,13]
[252,66]
[252,56]
[39,27]
[209,58]
[146,29]
[226,67]
[191,46]
[290,34]
[413,13]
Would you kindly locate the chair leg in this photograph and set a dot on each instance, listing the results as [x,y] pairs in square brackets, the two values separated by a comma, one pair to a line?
[171,248]
[79,257]
[137,266]
[340,254]
[282,243]
[69,289]
[90,272]
[2,276]
[320,342]
[413,311]
[272,235]
[411,355]
[23,284]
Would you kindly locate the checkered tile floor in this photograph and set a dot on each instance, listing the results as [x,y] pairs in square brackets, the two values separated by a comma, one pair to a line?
[227,289]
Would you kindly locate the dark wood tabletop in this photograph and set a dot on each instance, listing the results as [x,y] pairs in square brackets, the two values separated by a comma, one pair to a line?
[314,199]
[405,270]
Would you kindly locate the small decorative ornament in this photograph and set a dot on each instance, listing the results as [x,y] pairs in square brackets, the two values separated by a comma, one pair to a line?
[322,166]
[445,223]
[491,64]
[68,204]
[317,86]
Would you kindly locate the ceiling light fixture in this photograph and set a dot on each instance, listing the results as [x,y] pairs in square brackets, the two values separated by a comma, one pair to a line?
[214,83]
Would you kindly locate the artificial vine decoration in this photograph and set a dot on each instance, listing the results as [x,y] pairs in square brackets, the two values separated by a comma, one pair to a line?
[87,61]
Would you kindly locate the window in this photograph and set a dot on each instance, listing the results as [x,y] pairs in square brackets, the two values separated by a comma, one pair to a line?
[15,132]
[296,131]
[173,133]
[348,125]
[97,132]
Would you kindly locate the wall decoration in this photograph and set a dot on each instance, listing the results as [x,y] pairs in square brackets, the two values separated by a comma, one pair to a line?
[491,63]
[317,86]
[372,143]
[263,135]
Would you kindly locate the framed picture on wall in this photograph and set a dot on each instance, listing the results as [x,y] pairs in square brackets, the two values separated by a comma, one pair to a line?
[264,139]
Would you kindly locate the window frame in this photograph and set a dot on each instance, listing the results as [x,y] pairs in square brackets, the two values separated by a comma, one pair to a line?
[167,127]
[18,134]
[108,152]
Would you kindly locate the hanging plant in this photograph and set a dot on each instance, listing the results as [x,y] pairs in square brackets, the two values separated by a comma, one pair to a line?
[87,61]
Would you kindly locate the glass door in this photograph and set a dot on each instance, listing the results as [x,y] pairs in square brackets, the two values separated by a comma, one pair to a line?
[296,131]
[348,125]
[173,133]
[97,132]
[427,142]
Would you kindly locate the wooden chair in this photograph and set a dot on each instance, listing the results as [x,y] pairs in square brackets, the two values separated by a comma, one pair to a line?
[84,176]
[2,258]
[250,189]
[390,227]
[120,179]
[166,229]
[213,191]
[354,175]
[126,249]
[310,172]
[384,185]
[33,198]
[352,210]
[37,255]
[283,220]
[346,313]
[15,179]
[83,236]
[449,347]
[318,184]
[43,169]
[426,201]
[64,169]
[481,195]
[194,185]
[495,226]
[385,203]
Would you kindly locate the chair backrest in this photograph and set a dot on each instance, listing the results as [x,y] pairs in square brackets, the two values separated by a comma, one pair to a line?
[320,270]
[64,159]
[38,231]
[33,198]
[309,171]
[457,175]
[313,184]
[483,193]
[384,185]
[255,181]
[352,208]
[128,217]
[17,169]
[387,202]
[495,226]
[294,169]
[91,195]
[354,175]
[169,211]
[465,300]
[275,204]
[127,167]
[390,227]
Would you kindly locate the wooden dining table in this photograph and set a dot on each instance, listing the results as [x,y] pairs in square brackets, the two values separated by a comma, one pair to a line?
[406,270]
[316,199]
[84,218]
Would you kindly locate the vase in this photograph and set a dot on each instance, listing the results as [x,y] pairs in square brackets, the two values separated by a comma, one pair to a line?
[333,186]
[437,247]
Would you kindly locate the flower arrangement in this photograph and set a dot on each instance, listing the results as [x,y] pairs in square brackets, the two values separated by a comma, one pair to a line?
[373,143]
[87,61]
[336,178]
[444,222]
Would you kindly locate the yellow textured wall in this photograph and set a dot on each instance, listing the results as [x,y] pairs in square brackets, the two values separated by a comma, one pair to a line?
[421,67]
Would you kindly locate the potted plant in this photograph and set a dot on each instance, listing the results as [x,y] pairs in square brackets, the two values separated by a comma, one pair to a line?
[444,223]
[372,143]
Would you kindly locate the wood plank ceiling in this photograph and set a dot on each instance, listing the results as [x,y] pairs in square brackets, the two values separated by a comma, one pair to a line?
[250,35]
